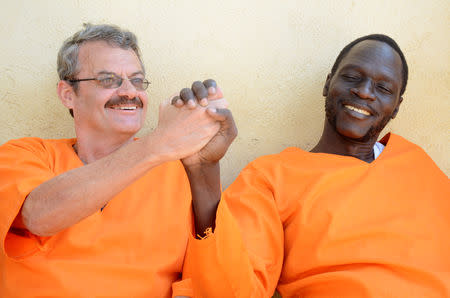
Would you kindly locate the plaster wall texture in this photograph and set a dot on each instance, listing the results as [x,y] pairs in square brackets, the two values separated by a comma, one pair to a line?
[270,57]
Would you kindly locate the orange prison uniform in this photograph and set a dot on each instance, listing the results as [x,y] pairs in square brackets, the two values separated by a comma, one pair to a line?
[324,225]
[133,248]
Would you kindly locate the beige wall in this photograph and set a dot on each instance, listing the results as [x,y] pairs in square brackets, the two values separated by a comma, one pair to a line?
[271,58]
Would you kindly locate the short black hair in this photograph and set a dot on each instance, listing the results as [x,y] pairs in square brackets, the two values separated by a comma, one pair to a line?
[379,37]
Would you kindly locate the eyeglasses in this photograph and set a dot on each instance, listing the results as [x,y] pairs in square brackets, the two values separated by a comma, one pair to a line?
[112,81]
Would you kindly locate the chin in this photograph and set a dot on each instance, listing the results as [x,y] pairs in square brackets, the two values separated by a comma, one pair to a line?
[130,131]
[130,126]
[126,130]
[360,136]
[353,135]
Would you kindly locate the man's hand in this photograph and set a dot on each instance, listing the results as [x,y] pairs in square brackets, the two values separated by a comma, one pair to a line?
[209,95]
[184,130]
[202,167]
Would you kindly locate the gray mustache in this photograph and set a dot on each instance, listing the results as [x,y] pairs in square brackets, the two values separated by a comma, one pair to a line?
[124,100]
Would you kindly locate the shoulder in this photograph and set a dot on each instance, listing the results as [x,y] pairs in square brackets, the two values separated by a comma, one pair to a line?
[292,157]
[35,147]
[407,153]
[31,143]
[275,166]
[398,145]
[288,154]
[23,145]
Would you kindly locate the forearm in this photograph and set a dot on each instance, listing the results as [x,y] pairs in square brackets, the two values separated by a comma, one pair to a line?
[205,188]
[72,196]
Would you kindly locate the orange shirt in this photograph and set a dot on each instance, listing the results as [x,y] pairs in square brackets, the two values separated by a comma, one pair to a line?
[324,225]
[133,248]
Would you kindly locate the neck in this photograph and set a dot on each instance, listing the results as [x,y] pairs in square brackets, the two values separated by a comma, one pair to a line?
[332,142]
[90,148]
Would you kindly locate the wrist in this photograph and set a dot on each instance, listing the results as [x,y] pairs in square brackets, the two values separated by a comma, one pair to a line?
[204,178]
[202,167]
[158,147]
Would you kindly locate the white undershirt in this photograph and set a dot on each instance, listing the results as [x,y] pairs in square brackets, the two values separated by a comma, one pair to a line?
[377,149]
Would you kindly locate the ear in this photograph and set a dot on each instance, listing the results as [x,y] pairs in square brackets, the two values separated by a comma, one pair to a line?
[66,94]
[396,108]
[327,85]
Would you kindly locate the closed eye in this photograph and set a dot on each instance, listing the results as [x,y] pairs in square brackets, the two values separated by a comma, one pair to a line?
[384,89]
[350,78]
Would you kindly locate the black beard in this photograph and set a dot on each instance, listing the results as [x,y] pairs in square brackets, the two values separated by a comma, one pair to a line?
[374,131]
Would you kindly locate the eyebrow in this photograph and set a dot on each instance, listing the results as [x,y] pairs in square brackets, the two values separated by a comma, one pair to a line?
[139,72]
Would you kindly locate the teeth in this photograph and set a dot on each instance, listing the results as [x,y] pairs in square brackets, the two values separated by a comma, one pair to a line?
[125,108]
[357,110]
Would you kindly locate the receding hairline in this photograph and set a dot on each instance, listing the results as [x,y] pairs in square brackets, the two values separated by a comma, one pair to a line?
[372,43]
[68,54]
[84,54]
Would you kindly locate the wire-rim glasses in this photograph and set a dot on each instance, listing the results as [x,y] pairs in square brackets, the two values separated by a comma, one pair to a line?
[112,81]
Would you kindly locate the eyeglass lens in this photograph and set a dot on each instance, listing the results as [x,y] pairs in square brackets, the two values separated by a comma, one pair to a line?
[116,82]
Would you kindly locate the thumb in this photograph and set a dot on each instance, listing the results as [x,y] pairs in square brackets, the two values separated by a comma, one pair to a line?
[220,103]
[219,114]
[228,129]
[217,95]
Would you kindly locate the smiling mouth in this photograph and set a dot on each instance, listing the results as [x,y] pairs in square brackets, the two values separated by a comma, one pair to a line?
[124,104]
[358,110]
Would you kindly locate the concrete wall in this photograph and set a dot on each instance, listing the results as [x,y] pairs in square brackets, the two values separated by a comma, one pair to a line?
[271,58]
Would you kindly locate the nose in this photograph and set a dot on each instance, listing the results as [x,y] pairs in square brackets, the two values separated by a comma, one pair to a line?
[364,90]
[127,89]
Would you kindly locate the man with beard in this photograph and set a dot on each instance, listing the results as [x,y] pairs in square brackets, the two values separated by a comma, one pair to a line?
[353,217]
[105,214]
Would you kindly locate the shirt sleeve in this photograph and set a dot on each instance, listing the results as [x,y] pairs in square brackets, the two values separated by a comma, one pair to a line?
[23,167]
[244,255]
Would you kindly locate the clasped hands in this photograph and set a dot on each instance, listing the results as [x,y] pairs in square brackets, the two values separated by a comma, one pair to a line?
[200,125]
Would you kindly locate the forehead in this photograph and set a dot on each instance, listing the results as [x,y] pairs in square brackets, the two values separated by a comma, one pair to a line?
[375,56]
[97,56]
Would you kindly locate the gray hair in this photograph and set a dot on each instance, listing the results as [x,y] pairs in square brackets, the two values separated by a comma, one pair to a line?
[67,63]
[68,66]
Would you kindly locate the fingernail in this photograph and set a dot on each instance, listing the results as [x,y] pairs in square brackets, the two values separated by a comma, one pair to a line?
[211,90]
[191,103]
[204,102]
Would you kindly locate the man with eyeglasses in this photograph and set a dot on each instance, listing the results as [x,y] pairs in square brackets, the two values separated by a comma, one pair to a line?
[106,214]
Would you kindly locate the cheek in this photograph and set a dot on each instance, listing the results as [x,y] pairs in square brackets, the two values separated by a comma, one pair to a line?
[95,98]
[338,91]
[144,99]
[388,106]
[334,97]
